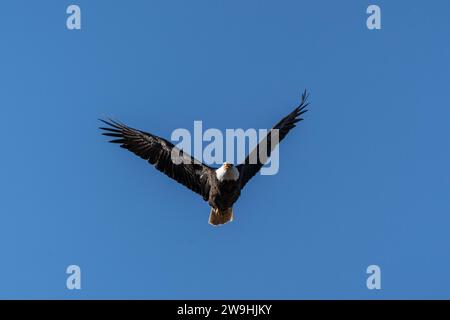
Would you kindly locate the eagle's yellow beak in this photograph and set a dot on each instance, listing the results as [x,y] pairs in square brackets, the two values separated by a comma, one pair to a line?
[227,165]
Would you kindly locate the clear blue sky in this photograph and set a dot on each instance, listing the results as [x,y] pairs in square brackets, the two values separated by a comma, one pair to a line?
[364,180]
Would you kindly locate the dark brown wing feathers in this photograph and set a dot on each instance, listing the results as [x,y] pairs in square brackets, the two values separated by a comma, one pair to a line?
[247,169]
[158,152]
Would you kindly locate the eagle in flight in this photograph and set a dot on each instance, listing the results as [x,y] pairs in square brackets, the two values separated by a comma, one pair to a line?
[220,187]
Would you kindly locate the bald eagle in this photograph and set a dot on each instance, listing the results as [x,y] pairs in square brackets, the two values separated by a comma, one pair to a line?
[220,187]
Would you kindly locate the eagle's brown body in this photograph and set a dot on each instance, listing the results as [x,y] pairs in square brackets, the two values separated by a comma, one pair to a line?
[227,194]
[222,200]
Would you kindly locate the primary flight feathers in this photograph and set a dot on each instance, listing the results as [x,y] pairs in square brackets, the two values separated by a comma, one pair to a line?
[221,187]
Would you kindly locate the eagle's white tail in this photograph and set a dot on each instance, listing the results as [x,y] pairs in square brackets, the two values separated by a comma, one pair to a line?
[218,217]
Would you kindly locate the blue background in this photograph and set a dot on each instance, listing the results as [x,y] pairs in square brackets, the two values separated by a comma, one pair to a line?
[363,180]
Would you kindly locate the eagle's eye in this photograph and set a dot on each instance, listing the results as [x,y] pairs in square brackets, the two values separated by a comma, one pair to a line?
[227,165]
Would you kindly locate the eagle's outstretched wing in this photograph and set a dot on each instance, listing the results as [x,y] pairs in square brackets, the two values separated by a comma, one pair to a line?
[163,155]
[253,163]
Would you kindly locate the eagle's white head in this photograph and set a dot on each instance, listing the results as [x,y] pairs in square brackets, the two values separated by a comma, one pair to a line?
[227,172]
